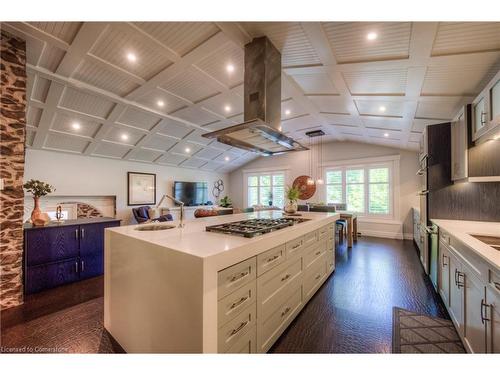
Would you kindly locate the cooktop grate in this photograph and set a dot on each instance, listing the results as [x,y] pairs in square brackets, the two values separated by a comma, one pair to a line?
[254,227]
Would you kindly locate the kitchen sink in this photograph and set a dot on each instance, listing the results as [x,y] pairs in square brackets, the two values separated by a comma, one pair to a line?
[155,227]
[494,242]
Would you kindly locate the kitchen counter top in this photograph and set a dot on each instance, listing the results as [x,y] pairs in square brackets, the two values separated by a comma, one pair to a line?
[194,240]
[462,230]
[90,220]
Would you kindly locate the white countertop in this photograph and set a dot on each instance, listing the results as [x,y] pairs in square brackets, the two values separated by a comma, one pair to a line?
[462,230]
[194,240]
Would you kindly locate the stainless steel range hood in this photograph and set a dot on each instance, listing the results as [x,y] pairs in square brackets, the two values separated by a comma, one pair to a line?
[261,130]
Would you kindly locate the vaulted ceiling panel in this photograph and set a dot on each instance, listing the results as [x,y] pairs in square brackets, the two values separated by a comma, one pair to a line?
[40,89]
[459,79]
[80,101]
[418,125]
[466,37]
[33,116]
[162,101]
[438,110]
[186,149]
[350,43]
[111,150]
[208,153]
[376,82]
[145,155]
[289,38]
[196,115]
[385,123]
[171,159]
[224,105]
[330,103]
[196,137]
[173,128]
[216,65]
[51,58]
[380,108]
[191,85]
[299,123]
[64,31]
[181,37]
[160,142]
[124,135]
[193,163]
[117,42]
[340,119]
[34,49]
[105,78]
[138,119]
[63,142]
[313,84]
[211,166]
[290,108]
[74,125]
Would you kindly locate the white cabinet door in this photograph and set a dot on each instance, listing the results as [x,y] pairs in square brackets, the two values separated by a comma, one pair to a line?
[479,117]
[493,312]
[444,274]
[456,293]
[494,96]
[459,159]
[474,324]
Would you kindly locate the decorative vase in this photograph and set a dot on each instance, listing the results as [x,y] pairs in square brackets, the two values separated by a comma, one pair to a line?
[38,218]
[291,207]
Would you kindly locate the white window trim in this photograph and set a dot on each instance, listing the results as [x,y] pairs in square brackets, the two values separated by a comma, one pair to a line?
[392,161]
[263,171]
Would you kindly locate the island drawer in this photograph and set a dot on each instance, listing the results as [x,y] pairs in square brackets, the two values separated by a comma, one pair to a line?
[234,277]
[313,253]
[310,238]
[331,232]
[273,285]
[330,260]
[294,247]
[323,232]
[270,328]
[270,259]
[247,344]
[230,306]
[313,278]
[230,333]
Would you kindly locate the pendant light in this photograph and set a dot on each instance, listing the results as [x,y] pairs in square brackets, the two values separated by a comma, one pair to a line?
[310,180]
[320,180]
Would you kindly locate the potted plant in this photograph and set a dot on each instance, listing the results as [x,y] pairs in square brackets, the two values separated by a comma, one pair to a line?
[270,199]
[225,202]
[38,189]
[292,195]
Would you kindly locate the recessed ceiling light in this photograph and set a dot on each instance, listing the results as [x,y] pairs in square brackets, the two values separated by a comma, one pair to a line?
[230,68]
[287,112]
[371,36]
[226,158]
[227,108]
[381,108]
[76,126]
[131,57]
[124,136]
[160,103]
[187,149]
[386,135]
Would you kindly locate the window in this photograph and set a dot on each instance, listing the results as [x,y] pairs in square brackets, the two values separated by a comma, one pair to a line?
[365,189]
[266,187]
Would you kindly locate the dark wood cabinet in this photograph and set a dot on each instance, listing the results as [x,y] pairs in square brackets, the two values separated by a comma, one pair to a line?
[64,253]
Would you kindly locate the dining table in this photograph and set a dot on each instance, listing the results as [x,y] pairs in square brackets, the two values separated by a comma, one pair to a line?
[352,226]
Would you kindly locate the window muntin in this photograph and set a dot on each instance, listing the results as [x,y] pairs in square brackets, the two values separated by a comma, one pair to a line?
[265,187]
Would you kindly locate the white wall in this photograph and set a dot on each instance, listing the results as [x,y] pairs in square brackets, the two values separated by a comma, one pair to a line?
[75,175]
[297,164]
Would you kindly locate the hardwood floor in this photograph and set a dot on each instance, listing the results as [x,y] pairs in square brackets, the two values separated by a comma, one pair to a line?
[351,313]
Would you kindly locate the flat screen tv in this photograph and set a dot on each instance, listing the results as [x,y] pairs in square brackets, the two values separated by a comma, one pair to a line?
[191,193]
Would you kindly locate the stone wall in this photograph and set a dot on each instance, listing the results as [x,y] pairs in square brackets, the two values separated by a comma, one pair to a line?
[12,141]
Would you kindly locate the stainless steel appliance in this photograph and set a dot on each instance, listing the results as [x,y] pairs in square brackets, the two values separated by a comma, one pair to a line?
[254,227]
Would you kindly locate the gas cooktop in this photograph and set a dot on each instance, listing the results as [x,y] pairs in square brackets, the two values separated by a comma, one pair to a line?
[254,227]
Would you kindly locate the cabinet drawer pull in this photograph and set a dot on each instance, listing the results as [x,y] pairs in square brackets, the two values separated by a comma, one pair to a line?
[318,276]
[497,285]
[239,276]
[318,252]
[83,266]
[483,316]
[444,264]
[284,312]
[286,277]
[296,246]
[459,283]
[83,233]
[77,234]
[483,117]
[76,266]
[240,327]
[273,258]
[237,303]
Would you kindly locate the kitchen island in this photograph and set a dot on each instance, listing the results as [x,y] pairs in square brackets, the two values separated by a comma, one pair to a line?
[187,290]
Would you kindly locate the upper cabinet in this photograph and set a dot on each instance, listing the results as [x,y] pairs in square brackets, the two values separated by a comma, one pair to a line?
[486,110]
[459,144]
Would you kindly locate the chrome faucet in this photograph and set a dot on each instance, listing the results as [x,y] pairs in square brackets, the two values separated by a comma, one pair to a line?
[181,219]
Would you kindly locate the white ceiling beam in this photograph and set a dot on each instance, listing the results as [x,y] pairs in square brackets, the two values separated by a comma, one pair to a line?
[25,28]
[53,97]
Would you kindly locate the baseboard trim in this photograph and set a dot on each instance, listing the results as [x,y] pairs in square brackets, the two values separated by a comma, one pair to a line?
[384,234]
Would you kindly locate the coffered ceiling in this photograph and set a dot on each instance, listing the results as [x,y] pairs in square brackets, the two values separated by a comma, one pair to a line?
[147,91]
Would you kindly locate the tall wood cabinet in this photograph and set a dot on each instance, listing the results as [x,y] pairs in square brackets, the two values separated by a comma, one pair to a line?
[63,253]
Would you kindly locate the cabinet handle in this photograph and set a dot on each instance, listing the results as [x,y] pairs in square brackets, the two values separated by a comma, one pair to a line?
[456,272]
[77,234]
[83,266]
[296,246]
[483,116]
[273,258]
[318,276]
[240,276]
[497,285]
[286,277]
[284,312]
[458,275]
[483,317]
[76,266]
[444,264]
[237,303]
[83,232]
[318,252]
[240,327]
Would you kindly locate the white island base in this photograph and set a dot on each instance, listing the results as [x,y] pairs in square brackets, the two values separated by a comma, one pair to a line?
[191,291]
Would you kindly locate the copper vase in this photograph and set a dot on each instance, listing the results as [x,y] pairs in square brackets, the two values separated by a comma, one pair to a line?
[38,218]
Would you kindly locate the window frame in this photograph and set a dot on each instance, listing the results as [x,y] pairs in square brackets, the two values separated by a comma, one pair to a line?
[392,163]
[258,174]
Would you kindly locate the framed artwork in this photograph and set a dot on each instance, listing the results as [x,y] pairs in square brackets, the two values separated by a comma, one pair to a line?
[141,189]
